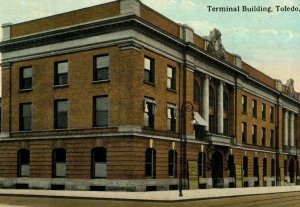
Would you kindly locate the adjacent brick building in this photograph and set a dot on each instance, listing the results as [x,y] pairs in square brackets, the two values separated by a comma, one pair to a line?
[98,98]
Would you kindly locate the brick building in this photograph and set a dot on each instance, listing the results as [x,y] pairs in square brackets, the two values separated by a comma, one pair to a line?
[97,99]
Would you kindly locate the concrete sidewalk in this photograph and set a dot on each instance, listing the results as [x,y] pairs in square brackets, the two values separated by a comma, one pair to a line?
[151,196]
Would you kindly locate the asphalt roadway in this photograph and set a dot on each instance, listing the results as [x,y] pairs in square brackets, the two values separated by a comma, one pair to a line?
[266,200]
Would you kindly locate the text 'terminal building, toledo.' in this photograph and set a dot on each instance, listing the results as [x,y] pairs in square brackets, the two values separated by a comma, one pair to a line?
[100,99]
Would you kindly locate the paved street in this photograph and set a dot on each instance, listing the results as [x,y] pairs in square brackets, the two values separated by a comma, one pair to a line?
[272,200]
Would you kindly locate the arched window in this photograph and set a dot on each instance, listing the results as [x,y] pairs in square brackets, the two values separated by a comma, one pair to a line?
[59,163]
[255,167]
[150,163]
[172,163]
[99,162]
[230,165]
[23,163]
[225,102]
[212,97]
[196,91]
[285,168]
[264,167]
[273,168]
[245,166]
[202,164]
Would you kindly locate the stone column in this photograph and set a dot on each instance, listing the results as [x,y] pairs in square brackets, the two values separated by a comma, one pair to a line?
[220,109]
[285,128]
[291,125]
[205,101]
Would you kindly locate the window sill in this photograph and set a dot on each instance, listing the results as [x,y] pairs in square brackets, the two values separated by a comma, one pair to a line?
[255,116]
[245,113]
[25,131]
[263,119]
[25,90]
[61,86]
[100,127]
[149,83]
[100,81]
[60,129]
[172,90]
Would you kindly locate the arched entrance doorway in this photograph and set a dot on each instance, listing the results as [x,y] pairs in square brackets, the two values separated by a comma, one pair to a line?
[292,171]
[217,170]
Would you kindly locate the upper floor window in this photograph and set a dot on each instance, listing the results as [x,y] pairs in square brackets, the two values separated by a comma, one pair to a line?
[171,78]
[150,163]
[263,111]
[212,97]
[263,136]
[25,117]
[196,91]
[149,70]
[255,167]
[244,104]
[61,70]
[254,108]
[172,163]
[254,134]
[244,132]
[23,163]
[171,113]
[272,114]
[101,68]
[101,111]
[225,102]
[149,113]
[99,165]
[25,78]
[61,114]
[272,140]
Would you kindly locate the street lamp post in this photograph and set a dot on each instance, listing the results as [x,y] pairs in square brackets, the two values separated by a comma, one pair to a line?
[185,107]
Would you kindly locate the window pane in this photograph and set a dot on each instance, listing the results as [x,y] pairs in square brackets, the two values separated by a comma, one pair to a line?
[170,72]
[101,118]
[102,74]
[147,64]
[26,110]
[100,170]
[102,103]
[62,79]
[62,67]
[102,62]
[27,72]
[60,169]
[62,106]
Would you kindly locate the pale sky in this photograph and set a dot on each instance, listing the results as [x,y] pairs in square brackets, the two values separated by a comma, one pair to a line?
[268,41]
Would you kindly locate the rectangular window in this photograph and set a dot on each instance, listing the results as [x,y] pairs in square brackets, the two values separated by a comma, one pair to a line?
[61,114]
[263,111]
[171,78]
[244,133]
[149,70]
[272,141]
[26,78]
[254,108]
[150,163]
[172,163]
[171,115]
[61,70]
[101,68]
[101,111]
[149,113]
[225,123]
[25,117]
[272,114]
[263,139]
[244,104]
[254,134]
[202,164]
